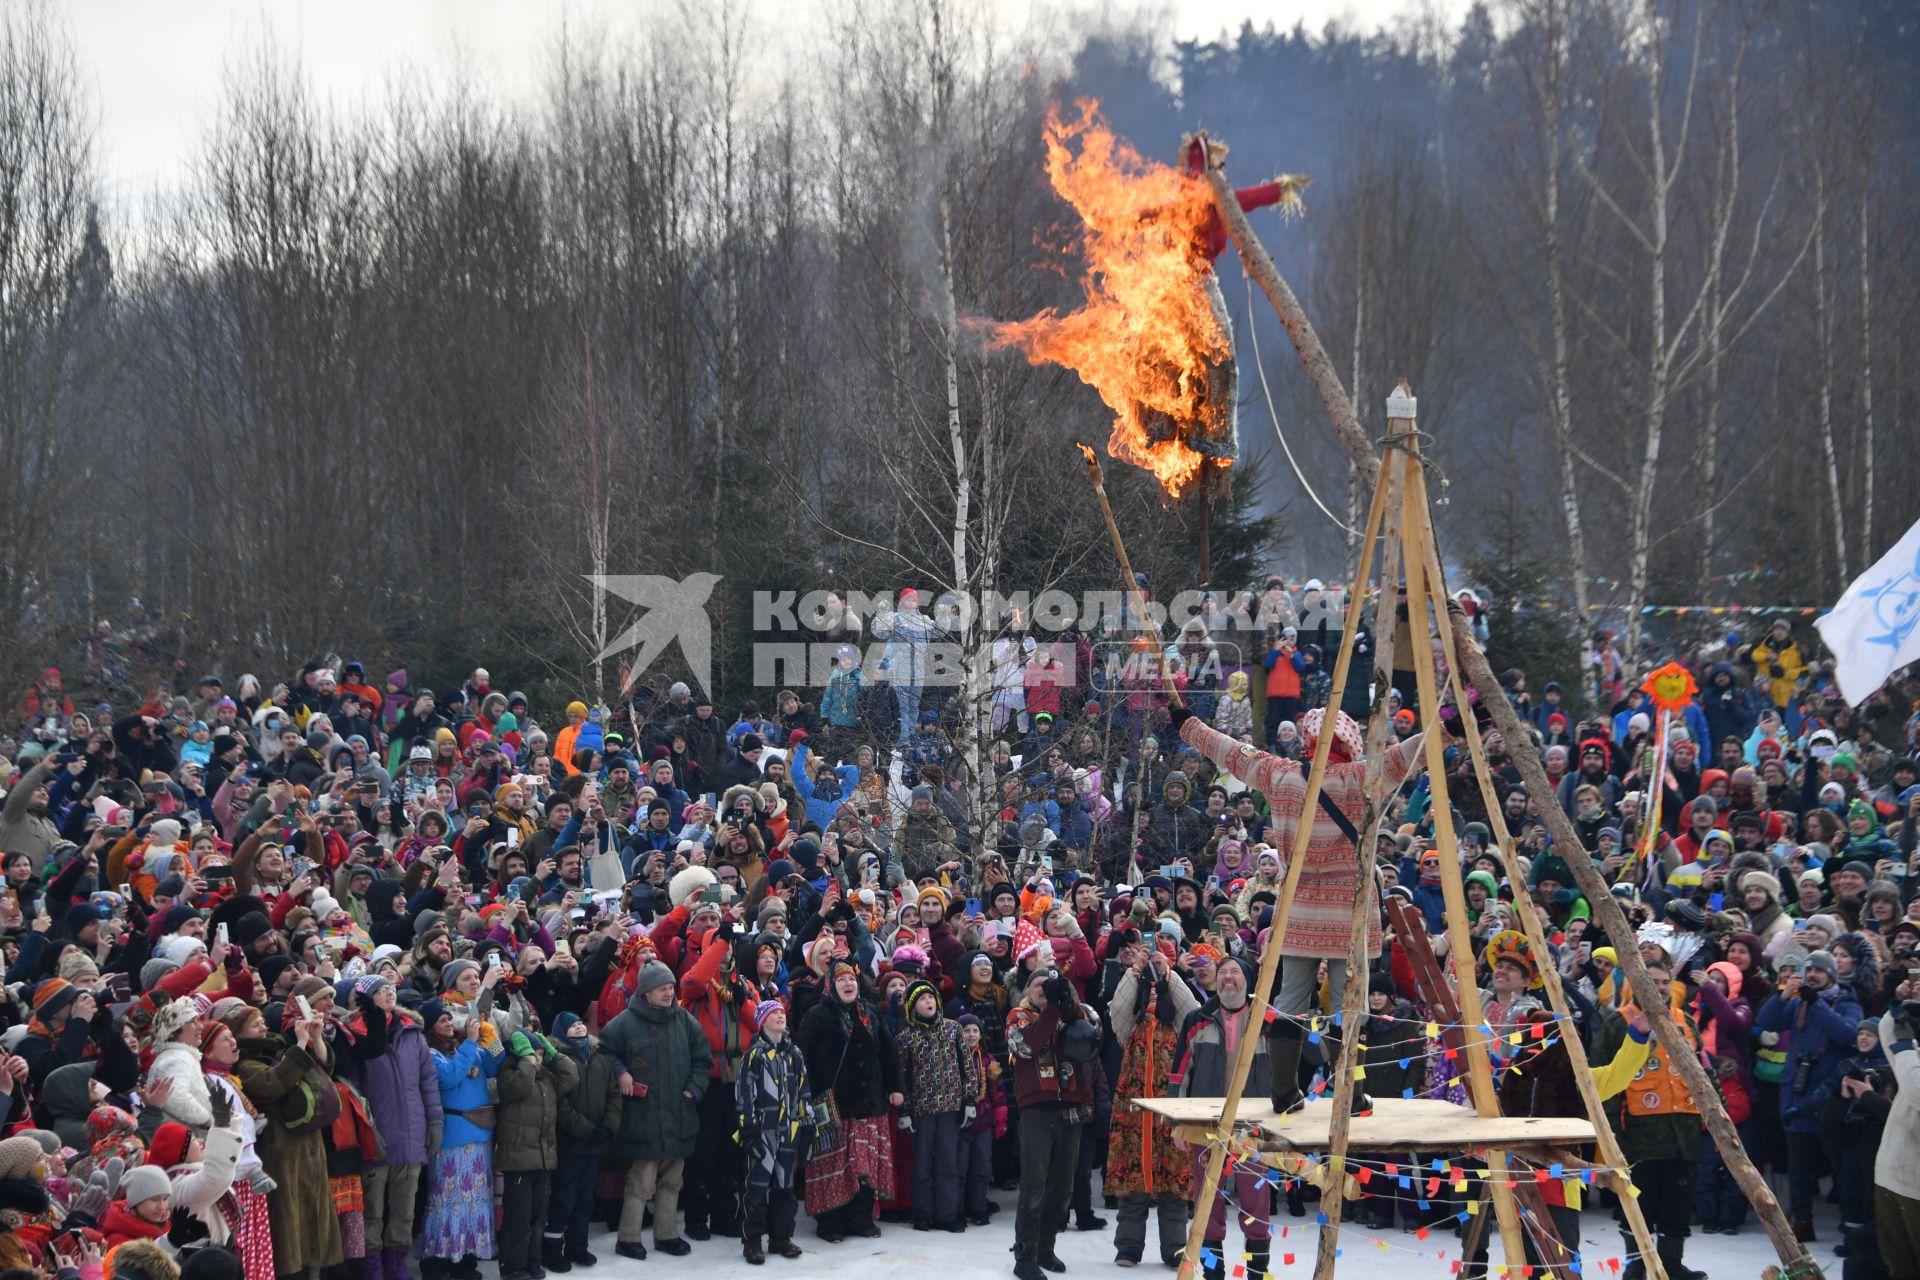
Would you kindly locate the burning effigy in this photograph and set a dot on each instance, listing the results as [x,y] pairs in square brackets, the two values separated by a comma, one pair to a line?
[1152,334]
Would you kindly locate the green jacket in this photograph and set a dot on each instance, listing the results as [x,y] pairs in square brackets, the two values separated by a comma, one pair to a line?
[591,1112]
[666,1050]
[527,1138]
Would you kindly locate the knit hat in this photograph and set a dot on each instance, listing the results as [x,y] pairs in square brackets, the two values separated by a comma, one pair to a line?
[169,1145]
[52,996]
[323,905]
[159,967]
[20,1156]
[370,983]
[1830,923]
[453,971]
[171,1018]
[76,966]
[937,895]
[652,975]
[774,905]
[1823,961]
[181,948]
[144,1182]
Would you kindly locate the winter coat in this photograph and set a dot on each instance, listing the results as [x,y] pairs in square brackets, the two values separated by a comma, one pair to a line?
[1727,707]
[1823,1035]
[933,1069]
[464,1078]
[665,1050]
[528,1137]
[1897,1164]
[591,1111]
[1146,1019]
[1204,1066]
[771,1097]
[24,829]
[853,1056]
[402,1090]
[926,841]
[306,1230]
[190,1103]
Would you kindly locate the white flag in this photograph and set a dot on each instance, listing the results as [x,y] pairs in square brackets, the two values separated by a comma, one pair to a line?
[1875,628]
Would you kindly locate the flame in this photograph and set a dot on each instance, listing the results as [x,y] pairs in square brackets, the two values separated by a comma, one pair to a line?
[1146,336]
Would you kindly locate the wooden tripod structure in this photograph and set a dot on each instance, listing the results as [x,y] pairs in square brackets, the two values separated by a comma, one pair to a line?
[1399,525]
[1466,665]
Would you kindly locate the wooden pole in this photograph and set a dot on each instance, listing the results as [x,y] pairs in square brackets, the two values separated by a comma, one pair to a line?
[1452,886]
[1794,1256]
[1313,356]
[1392,489]
[1133,590]
[1607,1140]
[1259,999]
[1654,1002]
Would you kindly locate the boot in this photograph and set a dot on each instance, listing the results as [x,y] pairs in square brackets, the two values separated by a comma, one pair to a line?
[784,1246]
[1049,1260]
[1257,1263]
[1673,1251]
[750,1250]
[1214,1259]
[394,1263]
[860,1215]
[553,1254]
[373,1266]
[579,1256]
[1284,1039]
[1803,1230]
[1359,1104]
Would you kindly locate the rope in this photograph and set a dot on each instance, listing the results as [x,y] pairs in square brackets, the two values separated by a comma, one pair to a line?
[1273,415]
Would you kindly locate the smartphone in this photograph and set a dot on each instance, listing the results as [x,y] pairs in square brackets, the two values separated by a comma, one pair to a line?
[973,906]
[578,913]
[473,899]
[1169,872]
[214,875]
[306,1010]
[714,896]
[301,866]
[493,960]
[221,933]
[513,837]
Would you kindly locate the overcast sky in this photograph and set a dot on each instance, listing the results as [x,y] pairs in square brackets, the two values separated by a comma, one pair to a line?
[155,65]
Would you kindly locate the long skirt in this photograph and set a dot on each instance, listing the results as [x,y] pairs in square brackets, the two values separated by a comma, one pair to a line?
[864,1154]
[350,1206]
[459,1218]
[253,1233]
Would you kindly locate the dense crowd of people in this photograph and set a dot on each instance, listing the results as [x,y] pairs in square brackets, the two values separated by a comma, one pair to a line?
[345,975]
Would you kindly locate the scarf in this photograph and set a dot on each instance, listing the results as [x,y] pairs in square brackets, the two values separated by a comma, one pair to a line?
[226,1073]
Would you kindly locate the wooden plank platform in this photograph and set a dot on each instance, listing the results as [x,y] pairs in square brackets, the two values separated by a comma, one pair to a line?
[1397,1124]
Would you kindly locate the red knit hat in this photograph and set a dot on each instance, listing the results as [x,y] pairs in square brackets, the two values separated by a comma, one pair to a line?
[169,1146]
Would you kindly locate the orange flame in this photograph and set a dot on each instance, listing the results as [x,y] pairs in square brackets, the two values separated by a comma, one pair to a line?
[1146,337]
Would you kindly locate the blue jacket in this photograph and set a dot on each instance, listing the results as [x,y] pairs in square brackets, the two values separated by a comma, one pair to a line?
[463,1087]
[1822,1031]
[821,806]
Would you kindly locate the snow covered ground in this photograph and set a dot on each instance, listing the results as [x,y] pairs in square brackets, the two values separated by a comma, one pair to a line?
[983,1253]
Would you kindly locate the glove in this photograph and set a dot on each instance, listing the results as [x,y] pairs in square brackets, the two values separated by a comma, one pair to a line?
[547,1051]
[436,1134]
[519,1045]
[86,1207]
[1060,996]
[906,1123]
[108,1175]
[1177,715]
[260,1182]
[221,1106]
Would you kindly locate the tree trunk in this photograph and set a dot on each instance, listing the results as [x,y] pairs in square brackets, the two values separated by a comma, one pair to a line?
[1823,329]
[1865,451]
[1640,543]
